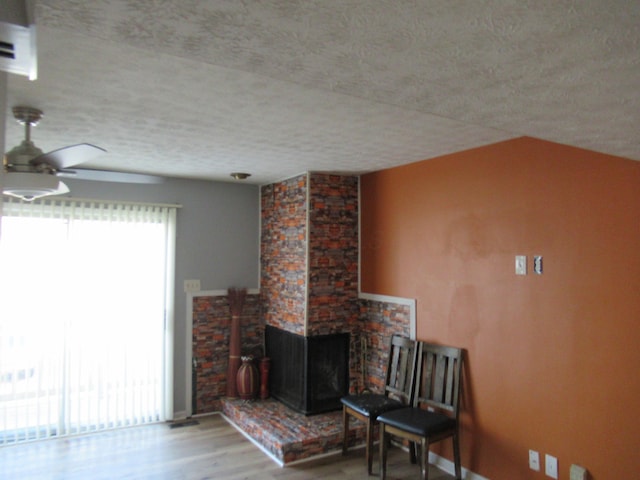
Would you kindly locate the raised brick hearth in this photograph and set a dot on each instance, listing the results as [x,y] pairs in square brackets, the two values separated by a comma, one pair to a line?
[288,436]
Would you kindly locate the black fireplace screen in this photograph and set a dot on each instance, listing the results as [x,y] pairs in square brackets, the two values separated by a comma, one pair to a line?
[308,374]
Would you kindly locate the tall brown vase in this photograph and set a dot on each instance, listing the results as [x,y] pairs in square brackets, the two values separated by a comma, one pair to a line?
[236,298]
[234,357]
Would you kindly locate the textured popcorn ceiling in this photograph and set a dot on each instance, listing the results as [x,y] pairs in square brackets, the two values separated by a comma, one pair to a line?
[203,88]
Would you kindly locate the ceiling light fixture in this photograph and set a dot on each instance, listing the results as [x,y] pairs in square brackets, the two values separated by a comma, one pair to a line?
[240,175]
[29,186]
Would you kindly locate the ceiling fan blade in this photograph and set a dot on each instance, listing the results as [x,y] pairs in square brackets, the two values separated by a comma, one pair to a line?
[109,176]
[68,156]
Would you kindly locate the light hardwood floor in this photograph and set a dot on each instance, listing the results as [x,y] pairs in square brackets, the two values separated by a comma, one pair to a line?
[213,449]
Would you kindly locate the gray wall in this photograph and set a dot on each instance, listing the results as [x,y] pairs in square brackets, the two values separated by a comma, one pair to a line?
[217,241]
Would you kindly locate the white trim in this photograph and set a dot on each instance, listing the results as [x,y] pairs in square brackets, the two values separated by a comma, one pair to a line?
[435,460]
[279,462]
[188,381]
[3,108]
[220,292]
[307,256]
[409,302]
[359,238]
[284,179]
[57,200]
[259,279]
[252,440]
[442,463]
[180,415]
[169,314]
[447,466]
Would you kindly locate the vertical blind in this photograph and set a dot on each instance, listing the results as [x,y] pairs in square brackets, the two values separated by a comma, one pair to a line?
[85,316]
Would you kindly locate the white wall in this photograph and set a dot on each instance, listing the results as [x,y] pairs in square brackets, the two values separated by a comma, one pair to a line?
[217,241]
[3,108]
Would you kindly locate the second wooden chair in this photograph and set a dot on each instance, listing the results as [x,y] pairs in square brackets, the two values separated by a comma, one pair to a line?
[433,415]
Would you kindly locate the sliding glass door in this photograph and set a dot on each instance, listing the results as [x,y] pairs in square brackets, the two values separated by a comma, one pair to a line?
[85,290]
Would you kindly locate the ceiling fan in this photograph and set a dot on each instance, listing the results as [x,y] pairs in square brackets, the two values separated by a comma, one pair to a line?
[30,173]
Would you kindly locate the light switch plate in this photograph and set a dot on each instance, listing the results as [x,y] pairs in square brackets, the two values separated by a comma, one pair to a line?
[191,286]
[521,264]
[534,460]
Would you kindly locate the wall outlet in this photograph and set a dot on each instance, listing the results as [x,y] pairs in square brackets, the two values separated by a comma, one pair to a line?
[551,466]
[534,460]
[191,286]
[577,473]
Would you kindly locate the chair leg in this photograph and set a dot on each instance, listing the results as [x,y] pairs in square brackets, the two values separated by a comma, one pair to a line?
[456,456]
[424,459]
[413,452]
[345,430]
[383,452]
[369,452]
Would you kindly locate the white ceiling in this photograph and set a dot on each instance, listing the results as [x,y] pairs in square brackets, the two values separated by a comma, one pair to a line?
[199,89]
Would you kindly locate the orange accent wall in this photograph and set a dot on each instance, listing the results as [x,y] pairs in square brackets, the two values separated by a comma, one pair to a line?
[552,359]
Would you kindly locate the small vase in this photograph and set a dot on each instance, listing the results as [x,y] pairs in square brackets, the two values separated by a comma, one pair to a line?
[247,379]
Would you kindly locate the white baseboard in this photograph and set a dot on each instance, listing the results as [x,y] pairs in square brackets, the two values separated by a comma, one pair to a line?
[448,467]
[181,415]
[437,461]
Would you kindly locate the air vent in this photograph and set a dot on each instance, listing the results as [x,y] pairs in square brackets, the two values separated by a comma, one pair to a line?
[18,49]
[7,50]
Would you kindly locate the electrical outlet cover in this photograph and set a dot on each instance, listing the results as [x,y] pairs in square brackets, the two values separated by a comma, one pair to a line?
[551,466]
[578,473]
[191,286]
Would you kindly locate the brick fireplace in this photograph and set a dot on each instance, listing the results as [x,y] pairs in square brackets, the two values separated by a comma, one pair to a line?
[308,374]
[309,286]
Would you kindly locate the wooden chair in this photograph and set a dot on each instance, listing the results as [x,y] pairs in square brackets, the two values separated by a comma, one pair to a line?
[433,415]
[399,381]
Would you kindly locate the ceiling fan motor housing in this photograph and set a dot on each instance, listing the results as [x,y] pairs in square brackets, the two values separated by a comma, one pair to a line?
[19,158]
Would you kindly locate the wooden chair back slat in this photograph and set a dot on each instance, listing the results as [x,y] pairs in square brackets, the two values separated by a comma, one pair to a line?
[401,369]
[438,377]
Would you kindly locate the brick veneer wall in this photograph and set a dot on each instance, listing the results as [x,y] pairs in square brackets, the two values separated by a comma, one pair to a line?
[379,320]
[212,325]
[211,331]
[283,247]
[332,302]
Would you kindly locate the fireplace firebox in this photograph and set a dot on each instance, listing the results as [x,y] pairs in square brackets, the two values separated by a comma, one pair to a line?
[308,374]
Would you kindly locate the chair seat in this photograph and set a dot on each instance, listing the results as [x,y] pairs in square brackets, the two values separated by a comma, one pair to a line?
[371,404]
[417,421]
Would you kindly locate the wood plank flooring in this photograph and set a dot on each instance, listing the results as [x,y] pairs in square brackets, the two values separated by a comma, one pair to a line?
[213,449]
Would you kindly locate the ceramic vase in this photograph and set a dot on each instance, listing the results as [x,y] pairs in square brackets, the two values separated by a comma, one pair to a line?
[247,379]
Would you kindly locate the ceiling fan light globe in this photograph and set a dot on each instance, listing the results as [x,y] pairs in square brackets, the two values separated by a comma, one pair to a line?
[29,186]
